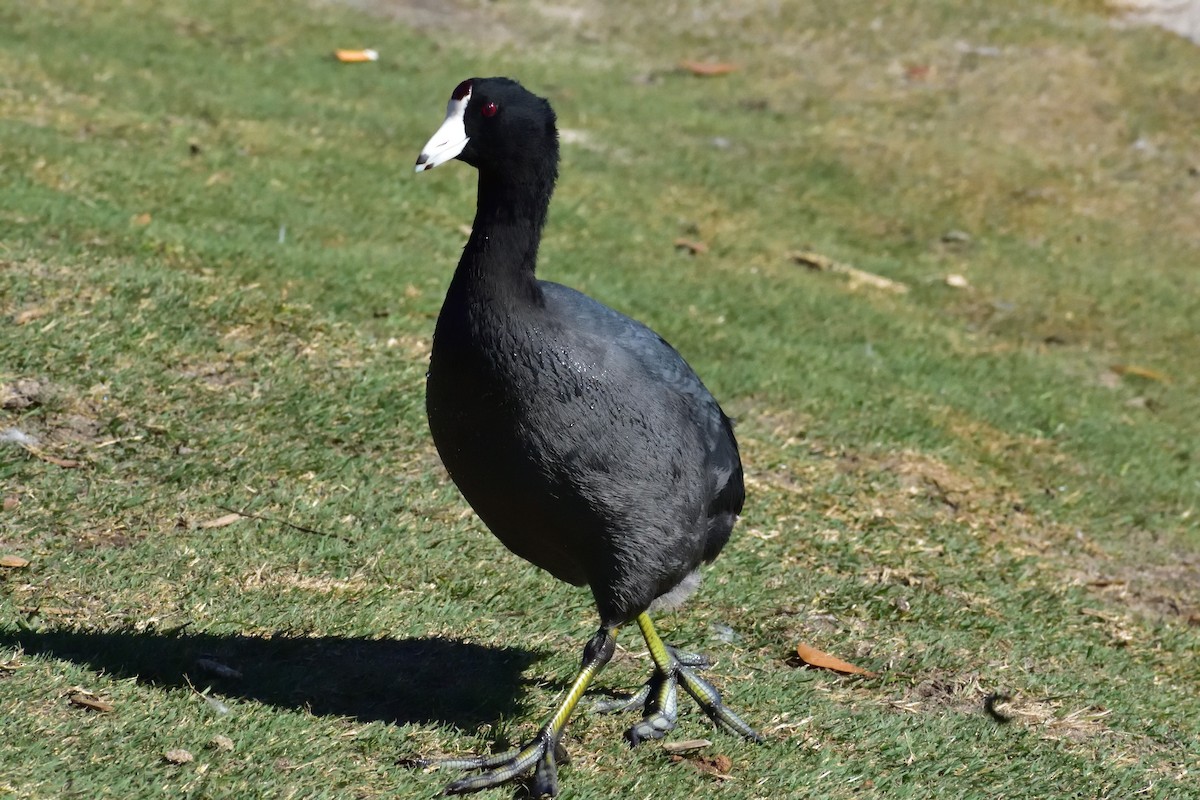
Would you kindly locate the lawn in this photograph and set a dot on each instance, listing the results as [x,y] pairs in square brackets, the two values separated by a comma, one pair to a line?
[940,260]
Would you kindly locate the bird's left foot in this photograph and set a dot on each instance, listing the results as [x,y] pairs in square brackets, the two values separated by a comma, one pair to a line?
[660,699]
[540,758]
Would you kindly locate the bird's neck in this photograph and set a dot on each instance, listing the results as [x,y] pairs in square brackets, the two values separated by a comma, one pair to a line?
[501,256]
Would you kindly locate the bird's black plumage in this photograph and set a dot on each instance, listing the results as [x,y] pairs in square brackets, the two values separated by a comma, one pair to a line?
[582,439]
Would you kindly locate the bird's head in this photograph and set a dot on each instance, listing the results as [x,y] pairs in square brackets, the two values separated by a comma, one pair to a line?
[493,124]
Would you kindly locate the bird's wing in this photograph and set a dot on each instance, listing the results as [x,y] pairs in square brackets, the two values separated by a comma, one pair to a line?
[633,348]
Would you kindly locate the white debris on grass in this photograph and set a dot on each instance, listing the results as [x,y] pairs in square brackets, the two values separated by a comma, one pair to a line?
[17,437]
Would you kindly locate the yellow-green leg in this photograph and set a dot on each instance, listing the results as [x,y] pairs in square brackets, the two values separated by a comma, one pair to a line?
[542,754]
[660,694]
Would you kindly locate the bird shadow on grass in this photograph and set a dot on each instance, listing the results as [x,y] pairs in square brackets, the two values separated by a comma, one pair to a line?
[399,681]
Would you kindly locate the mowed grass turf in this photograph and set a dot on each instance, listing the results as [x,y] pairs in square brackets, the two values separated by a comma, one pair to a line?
[224,521]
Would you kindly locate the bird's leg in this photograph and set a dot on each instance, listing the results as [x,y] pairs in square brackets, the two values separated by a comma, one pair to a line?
[660,694]
[540,756]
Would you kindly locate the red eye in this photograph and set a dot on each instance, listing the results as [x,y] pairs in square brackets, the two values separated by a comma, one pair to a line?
[489,109]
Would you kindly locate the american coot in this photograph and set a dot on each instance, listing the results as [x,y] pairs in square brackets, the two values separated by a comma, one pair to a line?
[581,438]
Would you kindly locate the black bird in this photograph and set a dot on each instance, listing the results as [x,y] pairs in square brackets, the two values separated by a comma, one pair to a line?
[580,437]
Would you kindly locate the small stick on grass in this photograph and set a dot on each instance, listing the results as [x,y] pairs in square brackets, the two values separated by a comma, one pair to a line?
[284,522]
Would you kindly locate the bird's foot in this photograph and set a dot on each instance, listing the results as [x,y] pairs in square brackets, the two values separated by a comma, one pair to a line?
[709,700]
[659,697]
[540,758]
[618,705]
[638,699]
[537,762]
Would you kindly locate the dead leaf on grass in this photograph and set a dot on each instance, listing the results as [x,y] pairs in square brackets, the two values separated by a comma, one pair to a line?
[1140,372]
[11,502]
[356,56]
[221,521]
[708,69]
[919,72]
[816,658]
[85,699]
[140,220]
[13,562]
[25,393]
[65,463]
[25,316]
[692,246]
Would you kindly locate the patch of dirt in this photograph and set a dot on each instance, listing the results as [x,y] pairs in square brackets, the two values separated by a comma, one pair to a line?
[1165,591]
[262,578]
[903,489]
[762,433]
[52,416]
[1052,718]
[922,476]
[910,485]
[1055,719]
[25,393]
[962,693]
[75,429]
[215,376]
[103,538]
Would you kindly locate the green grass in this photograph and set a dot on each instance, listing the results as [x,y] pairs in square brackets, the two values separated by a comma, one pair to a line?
[218,279]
